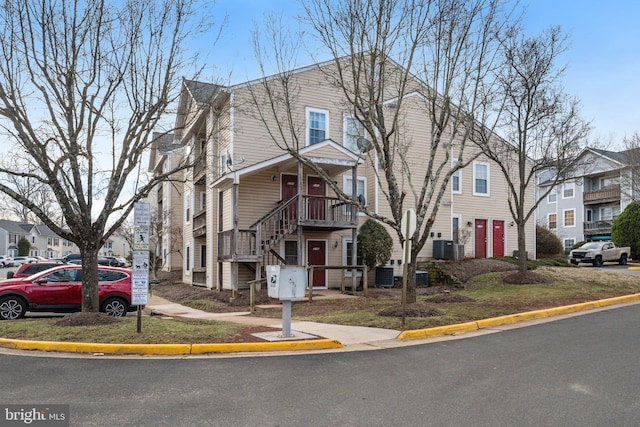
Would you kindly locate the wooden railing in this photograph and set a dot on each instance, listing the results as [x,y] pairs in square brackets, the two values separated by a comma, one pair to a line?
[608,193]
[200,223]
[199,276]
[598,227]
[327,209]
[228,246]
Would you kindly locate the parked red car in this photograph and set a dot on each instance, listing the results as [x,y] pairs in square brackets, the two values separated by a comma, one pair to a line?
[59,289]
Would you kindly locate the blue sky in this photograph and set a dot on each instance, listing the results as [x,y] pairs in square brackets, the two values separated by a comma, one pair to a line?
[603,59]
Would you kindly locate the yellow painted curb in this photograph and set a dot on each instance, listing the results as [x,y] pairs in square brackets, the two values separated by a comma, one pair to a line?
[320,344]
[633,268]
[438,331]
[514,318]
[169,349]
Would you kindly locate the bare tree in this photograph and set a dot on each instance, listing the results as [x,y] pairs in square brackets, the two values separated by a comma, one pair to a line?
[30,188]
[82,86]
[539,121]
[381,52]
[629,182]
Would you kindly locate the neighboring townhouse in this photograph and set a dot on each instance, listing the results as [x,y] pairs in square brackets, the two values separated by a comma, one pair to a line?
[250,203]
[561,211]
[115,246]
[584,208]
[166,203]
[44,242]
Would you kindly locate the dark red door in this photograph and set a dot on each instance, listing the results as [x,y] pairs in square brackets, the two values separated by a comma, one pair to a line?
[498,238]
[317,255]
[317,190]
[289,190]
[481,238]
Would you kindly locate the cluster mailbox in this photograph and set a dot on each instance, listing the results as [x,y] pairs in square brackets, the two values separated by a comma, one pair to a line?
[286,282]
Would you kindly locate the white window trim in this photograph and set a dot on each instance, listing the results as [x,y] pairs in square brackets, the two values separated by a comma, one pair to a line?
[564,243]
[549,220]
[457,173]
[346,188]
[488,193]
[345,261]
[553,192]
[345,125]
[460,225]
[308,111]
[187,207]
[564,222]
[573,188]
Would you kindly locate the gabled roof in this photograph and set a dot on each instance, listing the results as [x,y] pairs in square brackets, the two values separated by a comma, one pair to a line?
[15,227]
[625,157]
[202,92]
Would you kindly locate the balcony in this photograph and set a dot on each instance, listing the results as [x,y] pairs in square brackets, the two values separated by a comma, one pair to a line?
[603,195]
[593,228]
[200,224]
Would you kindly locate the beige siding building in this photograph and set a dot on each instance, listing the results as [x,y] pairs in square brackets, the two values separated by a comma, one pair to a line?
[248,203]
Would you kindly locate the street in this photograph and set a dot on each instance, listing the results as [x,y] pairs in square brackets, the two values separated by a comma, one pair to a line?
[578,371]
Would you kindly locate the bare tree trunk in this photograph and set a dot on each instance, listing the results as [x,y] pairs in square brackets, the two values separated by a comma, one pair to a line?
[90,299]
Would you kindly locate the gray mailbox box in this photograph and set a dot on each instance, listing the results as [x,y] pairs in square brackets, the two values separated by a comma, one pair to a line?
[286,282]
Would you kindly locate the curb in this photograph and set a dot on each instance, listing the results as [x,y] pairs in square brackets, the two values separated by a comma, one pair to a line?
[169,349]
[513,318]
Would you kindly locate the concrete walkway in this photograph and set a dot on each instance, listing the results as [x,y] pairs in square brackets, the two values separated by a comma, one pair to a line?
[347,335]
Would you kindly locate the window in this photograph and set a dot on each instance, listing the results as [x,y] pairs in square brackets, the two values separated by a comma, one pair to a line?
[353,130]
[456,179]
[480,179]
[187,207]
[568,244]
[552,221]
[203,200]
[589,215]
[203,256]
[317,126]
[291,252]
[187,259]
[361,187]
[569,217]
[568,190]
[552,196]
[347,245]
[606,213]
[456,229]
[110,276]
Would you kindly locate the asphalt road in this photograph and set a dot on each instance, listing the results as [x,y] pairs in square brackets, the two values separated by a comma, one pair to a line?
[579,371]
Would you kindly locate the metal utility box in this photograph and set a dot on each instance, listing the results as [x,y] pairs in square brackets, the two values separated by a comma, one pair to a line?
[286,282]
[443,249]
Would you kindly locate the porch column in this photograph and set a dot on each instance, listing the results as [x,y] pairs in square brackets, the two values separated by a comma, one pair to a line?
[301,254]
[354,231]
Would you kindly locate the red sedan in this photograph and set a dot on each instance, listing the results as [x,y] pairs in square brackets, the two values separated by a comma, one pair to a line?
[59,289]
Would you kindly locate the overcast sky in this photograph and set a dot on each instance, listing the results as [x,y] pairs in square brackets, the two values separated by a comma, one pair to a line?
[603,59]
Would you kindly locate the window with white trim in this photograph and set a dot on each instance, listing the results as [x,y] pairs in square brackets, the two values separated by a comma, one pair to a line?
[606,213]
[361,187]
[568,244]
[347,251]
[317,125]
[187,207]
[553,195]
[552,220]
[480,179]
[352,130]
[569,216]
[568,190]
[456,179]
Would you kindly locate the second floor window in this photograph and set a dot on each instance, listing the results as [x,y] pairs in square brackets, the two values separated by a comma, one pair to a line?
[551,198]
[481,178]
[353,130]
[455,179]
[317,126]
[361,187]
[553,221]
[570,218]
[187,207]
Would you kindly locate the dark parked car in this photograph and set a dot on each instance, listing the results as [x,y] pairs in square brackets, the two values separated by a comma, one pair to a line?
[27,269]
[59,289]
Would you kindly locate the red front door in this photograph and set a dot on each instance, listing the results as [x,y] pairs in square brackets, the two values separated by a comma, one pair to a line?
[498,238]
[289,190]
[317,255]
[316,187]
[481,238]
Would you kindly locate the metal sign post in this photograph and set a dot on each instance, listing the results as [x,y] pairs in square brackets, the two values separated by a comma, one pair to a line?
[408,227]
[140,277]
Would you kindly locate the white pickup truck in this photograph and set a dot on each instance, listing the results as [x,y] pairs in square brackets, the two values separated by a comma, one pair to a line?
[598,252]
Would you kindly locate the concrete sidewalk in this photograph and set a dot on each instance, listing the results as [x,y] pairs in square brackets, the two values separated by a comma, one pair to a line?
[347,335]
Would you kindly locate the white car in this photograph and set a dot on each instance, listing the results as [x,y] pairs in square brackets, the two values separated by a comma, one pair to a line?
[6,261]
[19,260]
